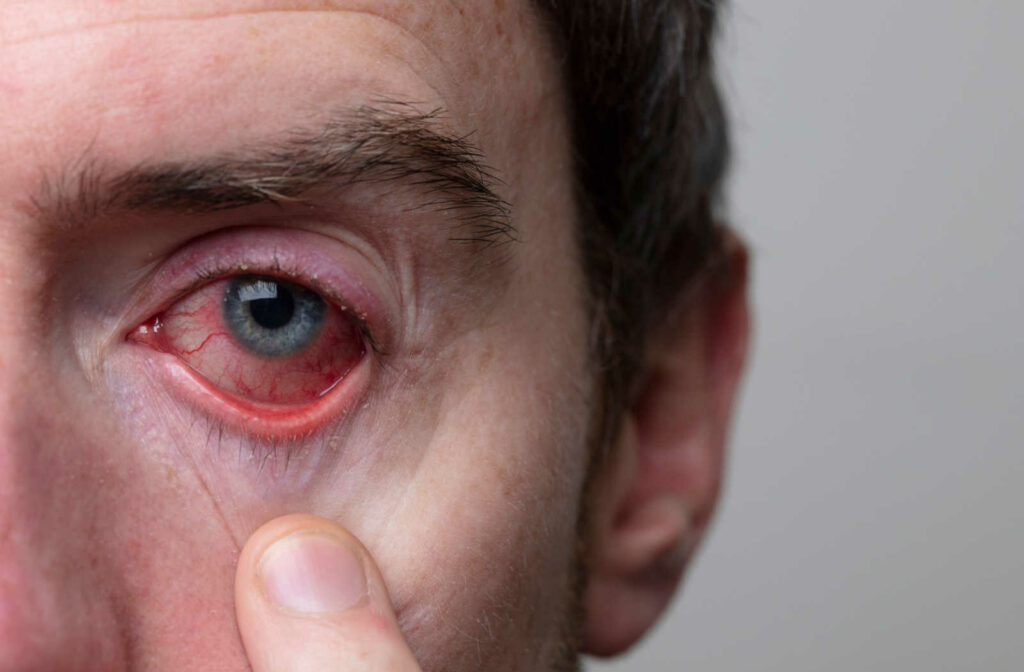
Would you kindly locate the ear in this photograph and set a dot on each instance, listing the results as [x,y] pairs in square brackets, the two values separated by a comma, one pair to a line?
[653,497]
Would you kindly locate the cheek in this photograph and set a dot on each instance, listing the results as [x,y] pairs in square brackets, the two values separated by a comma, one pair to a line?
[238,479]
[128,559]
[485,555]
[481,551]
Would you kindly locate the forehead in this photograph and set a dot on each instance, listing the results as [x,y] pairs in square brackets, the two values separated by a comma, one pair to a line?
[455,33]
[142,79]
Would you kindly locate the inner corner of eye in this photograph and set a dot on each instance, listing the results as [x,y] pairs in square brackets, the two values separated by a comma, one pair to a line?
[260,338]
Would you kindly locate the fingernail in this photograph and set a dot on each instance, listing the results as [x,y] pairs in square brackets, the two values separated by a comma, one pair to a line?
[312,573]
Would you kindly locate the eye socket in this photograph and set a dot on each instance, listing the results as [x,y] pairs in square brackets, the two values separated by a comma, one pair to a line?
[259,338]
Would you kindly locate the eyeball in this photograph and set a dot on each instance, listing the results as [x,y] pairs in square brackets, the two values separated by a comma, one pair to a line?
[260,338]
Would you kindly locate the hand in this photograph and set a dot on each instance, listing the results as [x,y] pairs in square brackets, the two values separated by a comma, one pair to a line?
[309,598]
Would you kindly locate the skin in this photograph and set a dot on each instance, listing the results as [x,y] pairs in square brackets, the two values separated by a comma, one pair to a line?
[457,460]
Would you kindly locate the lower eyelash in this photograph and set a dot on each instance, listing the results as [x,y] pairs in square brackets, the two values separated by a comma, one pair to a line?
[272,457]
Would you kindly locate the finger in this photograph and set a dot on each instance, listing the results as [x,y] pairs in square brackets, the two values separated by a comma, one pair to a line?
[310,599]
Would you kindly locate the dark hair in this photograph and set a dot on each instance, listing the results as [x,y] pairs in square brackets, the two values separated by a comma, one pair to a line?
[651,148]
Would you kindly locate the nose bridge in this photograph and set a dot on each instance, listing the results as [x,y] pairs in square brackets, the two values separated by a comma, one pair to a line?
[17,362]
[44,464]
[24,596]
[17,294]
[20,374]
[23,434]
[44,589]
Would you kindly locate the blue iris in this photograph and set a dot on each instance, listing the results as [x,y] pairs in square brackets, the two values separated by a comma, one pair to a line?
[270,317]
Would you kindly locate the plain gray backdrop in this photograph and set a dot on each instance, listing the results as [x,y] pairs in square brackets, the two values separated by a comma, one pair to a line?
[873,517]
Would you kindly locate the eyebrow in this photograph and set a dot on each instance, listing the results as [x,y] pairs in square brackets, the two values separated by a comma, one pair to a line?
[389,143]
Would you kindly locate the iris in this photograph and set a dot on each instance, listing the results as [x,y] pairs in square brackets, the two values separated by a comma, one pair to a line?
[271,317]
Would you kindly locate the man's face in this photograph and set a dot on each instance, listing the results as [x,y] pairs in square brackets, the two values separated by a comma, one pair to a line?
[249,267]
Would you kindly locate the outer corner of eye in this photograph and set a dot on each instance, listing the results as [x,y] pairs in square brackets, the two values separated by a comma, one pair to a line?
[263,349]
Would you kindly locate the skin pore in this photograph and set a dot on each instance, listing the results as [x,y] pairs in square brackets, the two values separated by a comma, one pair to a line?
[409,164]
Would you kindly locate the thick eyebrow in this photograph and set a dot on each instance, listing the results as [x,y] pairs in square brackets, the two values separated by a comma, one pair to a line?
[377,144]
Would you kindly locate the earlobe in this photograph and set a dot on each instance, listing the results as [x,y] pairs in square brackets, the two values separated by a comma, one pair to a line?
[656,492]
[639,541]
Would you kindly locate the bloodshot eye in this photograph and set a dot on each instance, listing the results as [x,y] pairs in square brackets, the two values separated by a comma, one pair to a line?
[260,339]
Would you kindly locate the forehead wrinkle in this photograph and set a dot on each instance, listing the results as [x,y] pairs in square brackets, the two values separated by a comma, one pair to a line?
[390,12]
[10,17]
[141,15]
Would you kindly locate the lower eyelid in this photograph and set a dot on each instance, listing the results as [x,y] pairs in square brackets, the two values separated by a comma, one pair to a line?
[257,420]
[297,255]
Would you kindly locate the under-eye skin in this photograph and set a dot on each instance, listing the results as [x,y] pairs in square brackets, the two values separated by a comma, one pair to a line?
[271,317]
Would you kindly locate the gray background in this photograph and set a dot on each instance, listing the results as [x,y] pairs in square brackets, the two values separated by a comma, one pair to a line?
[873,514]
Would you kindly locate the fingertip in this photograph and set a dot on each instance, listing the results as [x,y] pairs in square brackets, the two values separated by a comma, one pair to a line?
[306,579]
[311,572]
[302,563]
[273,530]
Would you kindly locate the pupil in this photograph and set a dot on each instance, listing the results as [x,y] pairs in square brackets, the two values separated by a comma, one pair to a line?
[273,313]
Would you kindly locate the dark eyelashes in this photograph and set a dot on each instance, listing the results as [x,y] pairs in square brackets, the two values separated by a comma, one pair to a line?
[272,457]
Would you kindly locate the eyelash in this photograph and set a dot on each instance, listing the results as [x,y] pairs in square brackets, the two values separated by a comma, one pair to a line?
[277,452]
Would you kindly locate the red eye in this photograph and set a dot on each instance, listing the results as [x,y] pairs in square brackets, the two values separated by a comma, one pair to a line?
[259,338]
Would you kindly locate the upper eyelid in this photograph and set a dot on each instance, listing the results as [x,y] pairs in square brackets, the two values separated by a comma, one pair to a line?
[439,192]
[293,255]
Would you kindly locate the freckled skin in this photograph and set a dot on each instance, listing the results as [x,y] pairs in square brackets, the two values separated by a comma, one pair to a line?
[122,508]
